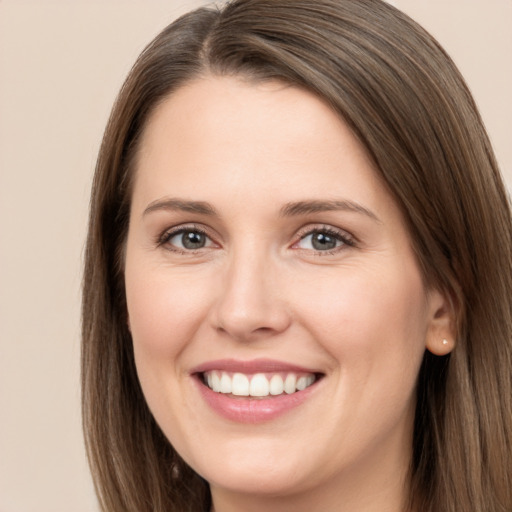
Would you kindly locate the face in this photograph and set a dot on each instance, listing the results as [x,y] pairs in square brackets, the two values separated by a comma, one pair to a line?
[278,314]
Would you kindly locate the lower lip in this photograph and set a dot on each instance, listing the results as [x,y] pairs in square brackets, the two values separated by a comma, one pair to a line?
[252,410]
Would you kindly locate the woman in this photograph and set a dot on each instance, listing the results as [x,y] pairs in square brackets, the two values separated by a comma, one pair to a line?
[298,268]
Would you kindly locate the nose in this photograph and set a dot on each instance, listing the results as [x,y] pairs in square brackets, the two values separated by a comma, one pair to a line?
[250,304]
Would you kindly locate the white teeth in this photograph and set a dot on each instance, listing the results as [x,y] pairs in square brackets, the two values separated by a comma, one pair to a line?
[290,384]
[215,382]
[259,385]
[240,384]
[276,385]
[225,383]
[301,383]
[305,381]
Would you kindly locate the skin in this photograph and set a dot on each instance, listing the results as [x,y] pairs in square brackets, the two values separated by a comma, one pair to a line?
[359,314]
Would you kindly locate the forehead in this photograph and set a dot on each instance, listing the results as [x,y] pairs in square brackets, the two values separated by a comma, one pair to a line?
[235,109]
[225,133]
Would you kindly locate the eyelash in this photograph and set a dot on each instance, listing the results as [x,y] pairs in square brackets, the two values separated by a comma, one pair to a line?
[169,234]
[339,235]
[345,238]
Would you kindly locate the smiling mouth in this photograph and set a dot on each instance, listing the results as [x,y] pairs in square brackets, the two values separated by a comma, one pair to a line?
[258,385]
[255,391]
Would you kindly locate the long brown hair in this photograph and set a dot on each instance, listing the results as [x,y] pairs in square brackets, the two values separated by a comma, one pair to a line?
[406,102]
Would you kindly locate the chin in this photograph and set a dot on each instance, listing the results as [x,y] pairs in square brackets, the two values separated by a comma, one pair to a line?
[252,467]
[264,480]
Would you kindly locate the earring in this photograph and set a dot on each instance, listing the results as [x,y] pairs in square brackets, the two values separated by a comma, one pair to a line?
[445,342]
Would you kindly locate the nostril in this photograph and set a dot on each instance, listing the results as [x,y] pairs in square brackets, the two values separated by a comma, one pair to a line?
[263,329]
[247,330]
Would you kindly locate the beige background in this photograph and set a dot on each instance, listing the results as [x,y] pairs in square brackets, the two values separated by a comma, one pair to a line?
[61,64]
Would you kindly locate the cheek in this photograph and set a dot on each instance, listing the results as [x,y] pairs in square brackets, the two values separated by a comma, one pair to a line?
[367,319]
[164,313]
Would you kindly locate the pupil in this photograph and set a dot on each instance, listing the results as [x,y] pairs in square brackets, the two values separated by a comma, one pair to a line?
[322,242]
[193,240]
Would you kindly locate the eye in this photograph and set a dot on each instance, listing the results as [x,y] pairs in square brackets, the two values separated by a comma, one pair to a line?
[186,239]
[325,240]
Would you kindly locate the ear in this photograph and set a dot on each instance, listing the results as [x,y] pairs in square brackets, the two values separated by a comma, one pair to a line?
[441,331]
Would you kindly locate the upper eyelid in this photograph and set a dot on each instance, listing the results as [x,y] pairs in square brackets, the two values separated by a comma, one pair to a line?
[169,233]
[300,233]
[345,237]
[318,228]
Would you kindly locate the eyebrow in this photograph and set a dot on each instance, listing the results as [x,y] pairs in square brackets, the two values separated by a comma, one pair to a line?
[306,207]
[172,204]
[288,210]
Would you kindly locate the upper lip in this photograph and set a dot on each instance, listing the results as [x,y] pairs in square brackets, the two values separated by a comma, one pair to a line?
[252,366]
